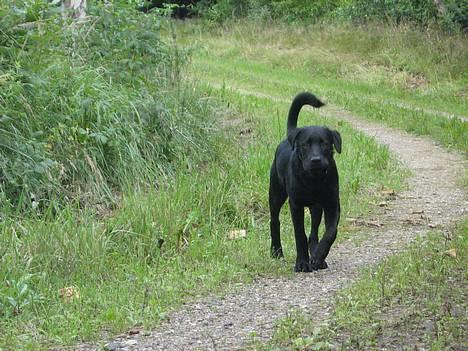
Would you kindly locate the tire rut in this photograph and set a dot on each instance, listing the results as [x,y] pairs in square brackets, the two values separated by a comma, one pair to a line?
[226,323]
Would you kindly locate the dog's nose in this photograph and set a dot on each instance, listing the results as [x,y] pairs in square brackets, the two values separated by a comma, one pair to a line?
[315,159]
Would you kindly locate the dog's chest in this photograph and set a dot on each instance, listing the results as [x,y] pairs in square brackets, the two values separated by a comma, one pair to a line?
[311,195]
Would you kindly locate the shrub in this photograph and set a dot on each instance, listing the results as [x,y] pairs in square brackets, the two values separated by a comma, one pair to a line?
[293,10]
[422,12]
[91,107]
[221,10]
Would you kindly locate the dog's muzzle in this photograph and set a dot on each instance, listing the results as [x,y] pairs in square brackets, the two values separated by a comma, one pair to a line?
[316,165]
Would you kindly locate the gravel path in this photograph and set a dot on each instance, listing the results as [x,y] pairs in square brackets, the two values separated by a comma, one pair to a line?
[214,323]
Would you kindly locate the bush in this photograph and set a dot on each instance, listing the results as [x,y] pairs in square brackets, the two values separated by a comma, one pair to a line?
[91,107]
[452,16]
[421,12]
[290,10]
[221,10]
[293,10]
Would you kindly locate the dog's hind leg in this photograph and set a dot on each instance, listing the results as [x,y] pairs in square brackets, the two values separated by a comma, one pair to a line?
[316,217]
[277,197]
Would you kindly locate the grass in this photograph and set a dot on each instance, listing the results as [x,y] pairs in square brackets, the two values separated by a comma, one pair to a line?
[451,132]
[165,246]
[166,243]
[380,75]
[414,299]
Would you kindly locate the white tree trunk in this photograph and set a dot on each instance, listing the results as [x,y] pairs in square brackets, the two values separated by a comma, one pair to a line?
[75,8]
[441,9]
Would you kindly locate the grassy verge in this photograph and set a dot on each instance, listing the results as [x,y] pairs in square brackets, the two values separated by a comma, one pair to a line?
[416,299]
[166,246]
[381,77]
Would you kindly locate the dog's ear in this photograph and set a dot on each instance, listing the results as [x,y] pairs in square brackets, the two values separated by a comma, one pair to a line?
[292,136]
[336,140]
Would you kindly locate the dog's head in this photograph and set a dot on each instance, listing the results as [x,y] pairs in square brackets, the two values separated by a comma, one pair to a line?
[314,147]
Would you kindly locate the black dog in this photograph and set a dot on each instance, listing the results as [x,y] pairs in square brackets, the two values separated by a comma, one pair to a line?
[304,170]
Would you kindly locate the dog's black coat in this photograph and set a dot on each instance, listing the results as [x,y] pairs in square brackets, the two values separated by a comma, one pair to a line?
[305,172]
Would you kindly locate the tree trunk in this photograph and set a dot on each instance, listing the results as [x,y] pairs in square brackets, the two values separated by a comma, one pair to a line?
[75,8]
[441,9]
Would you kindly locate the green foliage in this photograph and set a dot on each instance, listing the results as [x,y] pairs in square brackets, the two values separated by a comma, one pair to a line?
[90,107]
[457,12]
[221,10]
[290,10]
[293,10]
[17,296]
[420,12]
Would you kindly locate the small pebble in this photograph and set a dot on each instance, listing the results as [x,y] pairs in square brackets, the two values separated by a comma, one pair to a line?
[112,346]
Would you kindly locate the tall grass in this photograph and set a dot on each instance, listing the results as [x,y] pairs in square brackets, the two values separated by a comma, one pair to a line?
[91,108]
[354,52]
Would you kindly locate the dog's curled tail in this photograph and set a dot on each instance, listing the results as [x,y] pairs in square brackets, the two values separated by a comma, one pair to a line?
[300,100]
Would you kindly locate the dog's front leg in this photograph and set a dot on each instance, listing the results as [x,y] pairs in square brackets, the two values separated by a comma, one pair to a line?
[302,259]
[316,217]
[332,217]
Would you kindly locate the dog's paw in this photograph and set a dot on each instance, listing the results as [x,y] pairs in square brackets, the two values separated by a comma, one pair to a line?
[277,252]
[302,266]
[318,265]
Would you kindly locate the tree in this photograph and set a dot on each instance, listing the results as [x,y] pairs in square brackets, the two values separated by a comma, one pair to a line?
[74,8]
